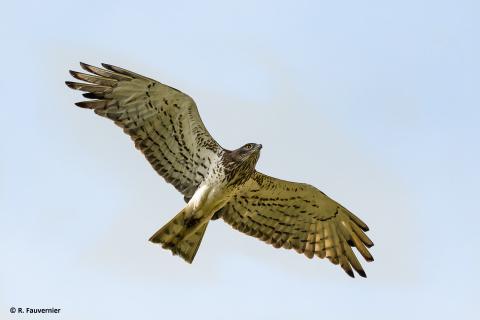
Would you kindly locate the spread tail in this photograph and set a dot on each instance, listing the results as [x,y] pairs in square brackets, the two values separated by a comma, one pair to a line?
[181,235]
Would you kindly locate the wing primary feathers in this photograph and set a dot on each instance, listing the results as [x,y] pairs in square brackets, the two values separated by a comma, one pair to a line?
[357,220]
[93,104]
[104,73]
[361,248]
[336,243]
[93,79]
[343,260]
[86,87]
[122,71]
[352,259]
[365,239]
[93,95]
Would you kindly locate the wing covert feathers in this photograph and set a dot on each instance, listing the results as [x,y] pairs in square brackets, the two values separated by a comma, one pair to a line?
[163,122]
[299,216]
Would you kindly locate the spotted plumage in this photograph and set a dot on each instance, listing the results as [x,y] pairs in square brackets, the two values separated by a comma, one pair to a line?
[165,126]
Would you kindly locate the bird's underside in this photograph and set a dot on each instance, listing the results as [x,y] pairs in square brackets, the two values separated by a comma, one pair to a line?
[165,126]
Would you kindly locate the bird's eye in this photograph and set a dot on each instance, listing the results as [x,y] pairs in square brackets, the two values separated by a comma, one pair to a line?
[248,146]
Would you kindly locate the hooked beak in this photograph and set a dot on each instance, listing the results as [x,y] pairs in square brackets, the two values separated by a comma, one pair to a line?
[259,146]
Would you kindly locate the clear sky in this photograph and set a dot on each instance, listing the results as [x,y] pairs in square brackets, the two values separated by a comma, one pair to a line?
[374,102]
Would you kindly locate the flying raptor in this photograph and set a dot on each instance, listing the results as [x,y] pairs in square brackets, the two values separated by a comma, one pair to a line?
[165,126]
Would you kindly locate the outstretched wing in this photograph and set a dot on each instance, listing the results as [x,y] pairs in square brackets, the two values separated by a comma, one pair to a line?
[163,122]
[297,215]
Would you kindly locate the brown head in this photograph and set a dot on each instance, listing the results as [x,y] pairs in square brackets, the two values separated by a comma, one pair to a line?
[248,152]
[240,163]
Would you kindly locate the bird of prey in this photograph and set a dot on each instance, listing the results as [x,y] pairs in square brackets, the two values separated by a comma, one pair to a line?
[165,126]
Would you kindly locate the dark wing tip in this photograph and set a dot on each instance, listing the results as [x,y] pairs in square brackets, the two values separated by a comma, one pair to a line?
[108,66]
[82,104]
[84,65]
[70,84]
[92,95]
[350,273]
[362,273]
[369,259]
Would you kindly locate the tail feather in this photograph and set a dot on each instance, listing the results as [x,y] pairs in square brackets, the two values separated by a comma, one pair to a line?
[187,248]
[181,235]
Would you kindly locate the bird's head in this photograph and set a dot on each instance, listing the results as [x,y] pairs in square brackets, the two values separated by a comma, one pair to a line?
[240,163]
[249,152]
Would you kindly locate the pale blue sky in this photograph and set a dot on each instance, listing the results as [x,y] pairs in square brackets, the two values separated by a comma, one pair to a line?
[374,102]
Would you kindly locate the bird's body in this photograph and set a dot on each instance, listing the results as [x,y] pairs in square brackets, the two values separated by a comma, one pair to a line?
[218,183]
[222,182]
